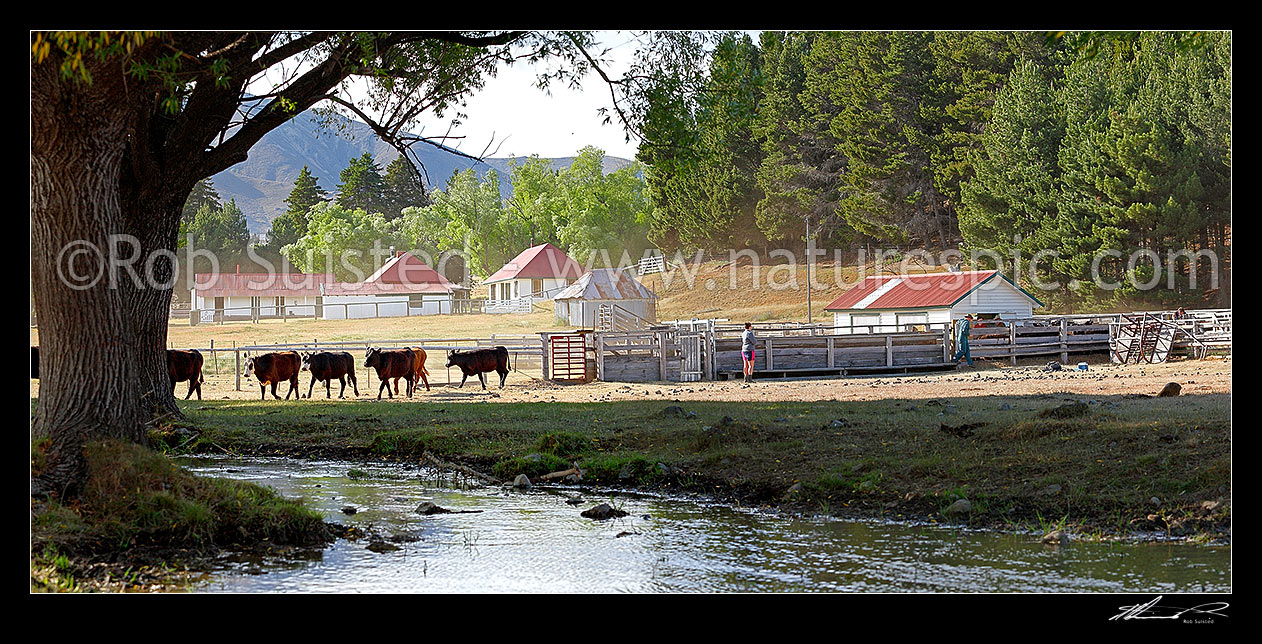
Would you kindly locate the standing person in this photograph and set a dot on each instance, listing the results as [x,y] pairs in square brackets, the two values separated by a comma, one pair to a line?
[965,325]
[747,351]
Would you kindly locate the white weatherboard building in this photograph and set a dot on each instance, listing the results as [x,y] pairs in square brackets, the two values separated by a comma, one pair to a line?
[247,296]
[579,304]
[539,272]
[405,285]
[888,304]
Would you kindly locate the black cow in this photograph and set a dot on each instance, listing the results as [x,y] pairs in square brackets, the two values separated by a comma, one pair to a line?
[35,362]
[326,366]
[392,364]
[275,368]
[186,365]
[480,361]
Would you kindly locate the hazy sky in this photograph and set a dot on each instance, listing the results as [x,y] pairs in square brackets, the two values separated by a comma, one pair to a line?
[517,118]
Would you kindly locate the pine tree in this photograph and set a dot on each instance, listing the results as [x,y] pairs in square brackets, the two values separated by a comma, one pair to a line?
[403,188]
[1011,198]
[888,188]
[801,167]
[362,186]
[292,224]
[204,193]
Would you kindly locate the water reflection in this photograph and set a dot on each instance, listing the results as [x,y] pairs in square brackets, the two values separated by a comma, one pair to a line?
[534,541]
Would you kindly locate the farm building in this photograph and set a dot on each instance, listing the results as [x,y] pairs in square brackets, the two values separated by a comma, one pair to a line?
[579,303]
[248,296]
[403,286]
[539,271]
[888,303]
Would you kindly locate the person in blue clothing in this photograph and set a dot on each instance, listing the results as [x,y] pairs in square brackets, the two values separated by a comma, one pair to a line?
[961,342]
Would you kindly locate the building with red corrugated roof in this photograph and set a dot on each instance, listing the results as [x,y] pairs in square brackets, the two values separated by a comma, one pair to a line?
[891,303]
[404,285]
[539,271]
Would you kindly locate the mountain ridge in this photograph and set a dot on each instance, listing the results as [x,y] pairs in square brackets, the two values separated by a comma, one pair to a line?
[261,183]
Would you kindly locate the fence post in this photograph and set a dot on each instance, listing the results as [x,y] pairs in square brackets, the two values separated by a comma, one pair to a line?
[1064,353]
[661,354]
[212,356]
[600,356]
[238,354]
[766,343]
[1012,342]
[889,350]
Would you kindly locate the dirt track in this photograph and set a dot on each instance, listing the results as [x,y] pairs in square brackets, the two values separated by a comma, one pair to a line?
[1196,377]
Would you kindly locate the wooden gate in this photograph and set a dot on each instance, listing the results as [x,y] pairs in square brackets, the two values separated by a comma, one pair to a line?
[569,357]
[691,358]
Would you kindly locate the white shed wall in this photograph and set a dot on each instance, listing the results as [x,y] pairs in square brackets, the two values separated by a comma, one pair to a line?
[364,306]
[995,296]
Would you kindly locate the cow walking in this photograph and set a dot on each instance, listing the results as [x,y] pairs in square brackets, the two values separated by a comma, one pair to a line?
[479,362]
[421,373]
[186,365]
[272,369]
[399,363]
[326,366]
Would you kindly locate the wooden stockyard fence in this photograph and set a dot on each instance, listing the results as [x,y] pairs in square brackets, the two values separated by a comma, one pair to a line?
[631,349]
[685,351]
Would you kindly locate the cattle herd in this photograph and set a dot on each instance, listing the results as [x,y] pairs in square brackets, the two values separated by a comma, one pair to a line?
[284,366]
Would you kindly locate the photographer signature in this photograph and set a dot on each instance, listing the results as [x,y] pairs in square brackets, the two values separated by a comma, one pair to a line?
[1167,612]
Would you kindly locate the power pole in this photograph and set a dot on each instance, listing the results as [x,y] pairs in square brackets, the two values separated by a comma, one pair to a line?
[809,261]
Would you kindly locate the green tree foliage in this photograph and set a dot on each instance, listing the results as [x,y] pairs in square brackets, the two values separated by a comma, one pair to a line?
[704,187]
[1005,142]
[1133,163]
[468,216]
[203,194]
[801,168]
[292,224]
[1011,199]
[351,244]
[362,186]
[221,231]
[403,188]
[601,212]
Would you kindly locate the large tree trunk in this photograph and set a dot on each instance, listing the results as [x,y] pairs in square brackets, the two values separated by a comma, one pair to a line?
[88,386]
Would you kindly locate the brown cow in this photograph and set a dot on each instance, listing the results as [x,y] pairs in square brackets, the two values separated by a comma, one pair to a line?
[480,361]
[186,365]
[326,366]
[274,368]
[400,363]
[420,372]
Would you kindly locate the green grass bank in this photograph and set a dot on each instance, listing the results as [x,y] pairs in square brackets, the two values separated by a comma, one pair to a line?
[1108,465]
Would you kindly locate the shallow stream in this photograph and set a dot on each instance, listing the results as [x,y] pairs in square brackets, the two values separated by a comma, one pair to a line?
[535,542]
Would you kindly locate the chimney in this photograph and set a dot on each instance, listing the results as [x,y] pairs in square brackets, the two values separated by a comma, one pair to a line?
[238,269]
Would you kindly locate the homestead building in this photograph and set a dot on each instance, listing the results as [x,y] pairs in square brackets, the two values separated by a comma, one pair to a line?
[539,271]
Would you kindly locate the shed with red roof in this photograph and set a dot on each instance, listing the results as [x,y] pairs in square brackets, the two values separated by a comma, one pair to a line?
[404,285]
[891,303]
[539,271]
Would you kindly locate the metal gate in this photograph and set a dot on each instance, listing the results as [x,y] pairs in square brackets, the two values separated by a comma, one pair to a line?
[690,348]
[569,357]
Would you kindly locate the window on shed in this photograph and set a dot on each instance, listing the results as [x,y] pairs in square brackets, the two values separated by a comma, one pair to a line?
[918,321]
[866,323]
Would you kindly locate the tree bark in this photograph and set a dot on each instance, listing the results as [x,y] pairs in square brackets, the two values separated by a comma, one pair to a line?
[88,386]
